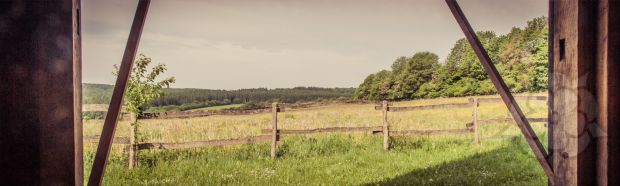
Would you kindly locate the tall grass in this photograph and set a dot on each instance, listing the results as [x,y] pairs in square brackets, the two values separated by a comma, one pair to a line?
[333,159]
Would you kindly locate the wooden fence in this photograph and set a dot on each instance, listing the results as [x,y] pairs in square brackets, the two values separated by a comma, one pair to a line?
[472,127]
[274,135]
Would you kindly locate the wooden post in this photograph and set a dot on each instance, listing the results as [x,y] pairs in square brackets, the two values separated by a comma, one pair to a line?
[40,95]
[575,99]
[132,144]
[111,120]
[550,88]
[386,131]
[274,131]
[475,120]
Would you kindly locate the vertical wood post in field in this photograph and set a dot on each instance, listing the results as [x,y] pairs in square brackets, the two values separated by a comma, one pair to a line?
[475,120]
[274,132]
[132,143]
[386,131]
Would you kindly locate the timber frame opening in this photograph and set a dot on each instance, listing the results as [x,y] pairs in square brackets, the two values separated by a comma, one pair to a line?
[109,127]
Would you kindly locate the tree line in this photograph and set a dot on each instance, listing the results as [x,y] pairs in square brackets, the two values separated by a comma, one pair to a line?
[179,99]
[520,56]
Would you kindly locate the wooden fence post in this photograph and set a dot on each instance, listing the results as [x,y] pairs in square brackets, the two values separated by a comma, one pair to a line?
[386,132]
[274,132]
[132,143]
[475,120]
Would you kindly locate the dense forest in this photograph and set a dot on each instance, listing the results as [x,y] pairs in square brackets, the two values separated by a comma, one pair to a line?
[176,99]
[520,56]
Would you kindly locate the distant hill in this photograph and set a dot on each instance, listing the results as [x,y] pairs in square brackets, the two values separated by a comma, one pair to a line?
[190,98]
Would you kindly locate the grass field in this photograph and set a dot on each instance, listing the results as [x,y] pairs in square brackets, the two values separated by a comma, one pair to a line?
[503,157]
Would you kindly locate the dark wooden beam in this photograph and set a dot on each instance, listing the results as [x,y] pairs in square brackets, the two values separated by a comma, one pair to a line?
[550,95]
[608,88]
[40,95]
[107,134]
[574,89]
[502,89]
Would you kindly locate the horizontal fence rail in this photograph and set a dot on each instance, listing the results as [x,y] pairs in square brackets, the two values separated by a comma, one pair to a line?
[327,130]
[509,120]
[210,143]
[529,98]
[425,107]
[431,132]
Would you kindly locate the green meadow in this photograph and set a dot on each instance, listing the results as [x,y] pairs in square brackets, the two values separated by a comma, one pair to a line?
[502,158]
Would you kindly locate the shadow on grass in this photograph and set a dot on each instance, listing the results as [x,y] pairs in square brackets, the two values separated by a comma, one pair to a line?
[511,164]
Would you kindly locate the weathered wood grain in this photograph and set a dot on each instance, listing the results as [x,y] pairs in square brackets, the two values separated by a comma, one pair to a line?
[550,86]
[574,89]
[607,90]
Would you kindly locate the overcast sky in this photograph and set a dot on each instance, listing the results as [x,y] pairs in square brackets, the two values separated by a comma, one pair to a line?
[232,44]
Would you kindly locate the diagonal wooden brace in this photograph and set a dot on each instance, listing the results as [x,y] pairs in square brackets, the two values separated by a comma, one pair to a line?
[502,89]
[111,119]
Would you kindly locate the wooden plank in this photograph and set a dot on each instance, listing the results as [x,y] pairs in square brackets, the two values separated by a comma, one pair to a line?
[426,107]
[550,87]
[574,92]
[502,89]
[116,140]
[607,90]
[386,130]
[210,143]
[327,130]
[431,132]
[524,98]
[77,95]
[602,93]
[40,69]
[107,134]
